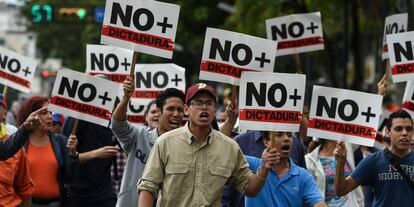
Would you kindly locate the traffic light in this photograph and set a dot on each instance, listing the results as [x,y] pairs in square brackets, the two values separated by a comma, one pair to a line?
[67,13]
[42,13]
[48,74]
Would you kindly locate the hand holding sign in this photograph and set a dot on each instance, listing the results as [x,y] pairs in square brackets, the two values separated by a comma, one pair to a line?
[382,85]
[33,120]
[128,86]
[72,143]
[270,158]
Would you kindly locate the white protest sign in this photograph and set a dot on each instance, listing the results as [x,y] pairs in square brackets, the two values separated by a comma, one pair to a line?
[150,80]
[113,62]
[296,33]
[400,50]
[271,101]
[227,54]
[408,98]
[396,23]
[135,108]
[140,25]
[84,97]
[16,71]
[339,114]
[379,139]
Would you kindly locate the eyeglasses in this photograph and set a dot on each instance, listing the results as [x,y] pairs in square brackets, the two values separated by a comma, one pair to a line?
[200,104]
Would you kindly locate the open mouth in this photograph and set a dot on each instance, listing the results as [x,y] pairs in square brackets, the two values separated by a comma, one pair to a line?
[204,115]
[404,141]
[174,123]
[285,148]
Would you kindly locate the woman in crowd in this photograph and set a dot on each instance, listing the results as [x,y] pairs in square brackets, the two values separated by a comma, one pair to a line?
[321,164]
[151,115]
[50,163]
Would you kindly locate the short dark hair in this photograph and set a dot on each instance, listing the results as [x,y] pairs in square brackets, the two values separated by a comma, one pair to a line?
[166,94]
[398,114]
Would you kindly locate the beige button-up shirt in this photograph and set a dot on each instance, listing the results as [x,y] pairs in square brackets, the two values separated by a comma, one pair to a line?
[182,172]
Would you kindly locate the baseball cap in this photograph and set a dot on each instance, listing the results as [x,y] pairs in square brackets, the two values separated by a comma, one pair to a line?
[58,118]
[193,90]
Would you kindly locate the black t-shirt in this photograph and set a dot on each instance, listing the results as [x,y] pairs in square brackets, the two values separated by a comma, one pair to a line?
[94,179]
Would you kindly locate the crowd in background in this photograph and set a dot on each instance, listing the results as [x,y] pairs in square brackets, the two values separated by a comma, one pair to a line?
[205,162]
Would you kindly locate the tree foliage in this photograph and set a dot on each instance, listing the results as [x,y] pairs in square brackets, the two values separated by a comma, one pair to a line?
[363,35]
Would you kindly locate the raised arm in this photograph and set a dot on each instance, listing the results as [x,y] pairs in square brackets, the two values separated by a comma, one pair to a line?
[382,85]
[270,159]
[342,185]
[10,146]
[232,112]
[121,109]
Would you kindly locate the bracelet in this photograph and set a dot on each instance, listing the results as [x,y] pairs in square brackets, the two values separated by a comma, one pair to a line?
[260,177]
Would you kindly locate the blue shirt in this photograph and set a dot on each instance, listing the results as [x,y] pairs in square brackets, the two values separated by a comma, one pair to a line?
[295,188]
[390,188]
[251,143]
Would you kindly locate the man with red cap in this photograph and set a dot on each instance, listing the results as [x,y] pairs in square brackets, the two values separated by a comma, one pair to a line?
[189,166]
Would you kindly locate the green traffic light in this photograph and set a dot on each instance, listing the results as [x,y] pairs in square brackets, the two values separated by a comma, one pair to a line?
[81,13]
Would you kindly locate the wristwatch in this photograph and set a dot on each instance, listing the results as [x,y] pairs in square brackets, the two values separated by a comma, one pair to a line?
[76,156]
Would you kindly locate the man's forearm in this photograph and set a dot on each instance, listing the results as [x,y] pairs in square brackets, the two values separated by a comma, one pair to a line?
[121,109]
[339,182]
[257,182]
[87,156]
[146,199]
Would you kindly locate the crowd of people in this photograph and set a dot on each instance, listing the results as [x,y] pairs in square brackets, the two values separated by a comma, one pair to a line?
[202,162]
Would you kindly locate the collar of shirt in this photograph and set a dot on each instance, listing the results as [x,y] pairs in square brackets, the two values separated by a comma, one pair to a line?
[190,136]
[293,171]
[257,135]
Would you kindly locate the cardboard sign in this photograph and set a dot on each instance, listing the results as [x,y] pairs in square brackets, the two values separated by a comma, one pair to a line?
[271,101]
[339,114]
[140,25]
[379,139]
[150,80]
[227,54]
[400,50]
[83,97]
[408,98]
[114,62]
[16,71]
[397,23]
[296,33]
[135,109]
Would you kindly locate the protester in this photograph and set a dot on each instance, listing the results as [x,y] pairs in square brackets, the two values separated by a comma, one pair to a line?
[16,185]
[252,143]
[11,129]
[57,122]
[50,162]
[287,184]
[97,151]
[137,141]
[389,172]
[321,164]
[189,166]
[151,115]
